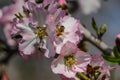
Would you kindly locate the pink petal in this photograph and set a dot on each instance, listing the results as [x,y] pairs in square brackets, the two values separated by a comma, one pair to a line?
[28,47]
[7,31]
[62,2]
[73,38]
[68,48]
[39,14]
[10,11]
[70,24]
[58,67]
[97,60]
[83,59]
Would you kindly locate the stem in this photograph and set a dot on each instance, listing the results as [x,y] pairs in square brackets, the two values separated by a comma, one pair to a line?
[82,76]
[96,42]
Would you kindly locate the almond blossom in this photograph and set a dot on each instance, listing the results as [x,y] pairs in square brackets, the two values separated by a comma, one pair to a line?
[36,32]
[7,14]
[67,30]
[70,61]
[97,69]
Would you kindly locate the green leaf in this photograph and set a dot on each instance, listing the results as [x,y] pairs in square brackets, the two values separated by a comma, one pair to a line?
[111,59]
[116,52]
[94,25]
[103,29]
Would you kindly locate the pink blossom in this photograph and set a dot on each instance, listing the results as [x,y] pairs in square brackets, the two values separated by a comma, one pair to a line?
[70,61]
[100,69]
[105,72]
[67,30]
[36,32]
[30,42]
[97,60]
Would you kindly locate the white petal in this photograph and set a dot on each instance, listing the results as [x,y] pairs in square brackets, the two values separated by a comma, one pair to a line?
[28,47]
[24,27]
[60,68]
[70,24]
[73,38]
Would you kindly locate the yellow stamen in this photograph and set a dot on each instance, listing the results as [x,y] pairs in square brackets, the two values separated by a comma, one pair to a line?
[59,30]
[41,32]
[69,61]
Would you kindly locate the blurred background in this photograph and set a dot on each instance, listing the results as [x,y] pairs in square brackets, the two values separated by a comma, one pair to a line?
[33,69]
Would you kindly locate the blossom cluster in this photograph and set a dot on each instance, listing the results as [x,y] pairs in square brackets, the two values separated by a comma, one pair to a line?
[46,29]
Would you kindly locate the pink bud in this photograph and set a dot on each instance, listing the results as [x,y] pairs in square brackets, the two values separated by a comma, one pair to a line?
[62,2]
[118,40]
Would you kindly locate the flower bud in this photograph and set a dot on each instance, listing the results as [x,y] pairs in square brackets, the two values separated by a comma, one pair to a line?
[62,2]
[118,41]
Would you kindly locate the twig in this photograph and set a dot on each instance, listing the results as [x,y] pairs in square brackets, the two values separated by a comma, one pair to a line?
[96,42]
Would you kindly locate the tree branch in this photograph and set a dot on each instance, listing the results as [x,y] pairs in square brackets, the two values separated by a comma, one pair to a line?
[96,42]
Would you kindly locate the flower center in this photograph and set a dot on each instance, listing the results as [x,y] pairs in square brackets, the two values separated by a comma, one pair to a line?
[70,61]
[41,32]
[59,30]
[93,72]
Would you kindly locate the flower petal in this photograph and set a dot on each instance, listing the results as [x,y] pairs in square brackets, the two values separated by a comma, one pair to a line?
[28,47]
[58,67]
[83,59]
[39,14]
[70,24]
[68,48]
[97,60]
[73,38]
